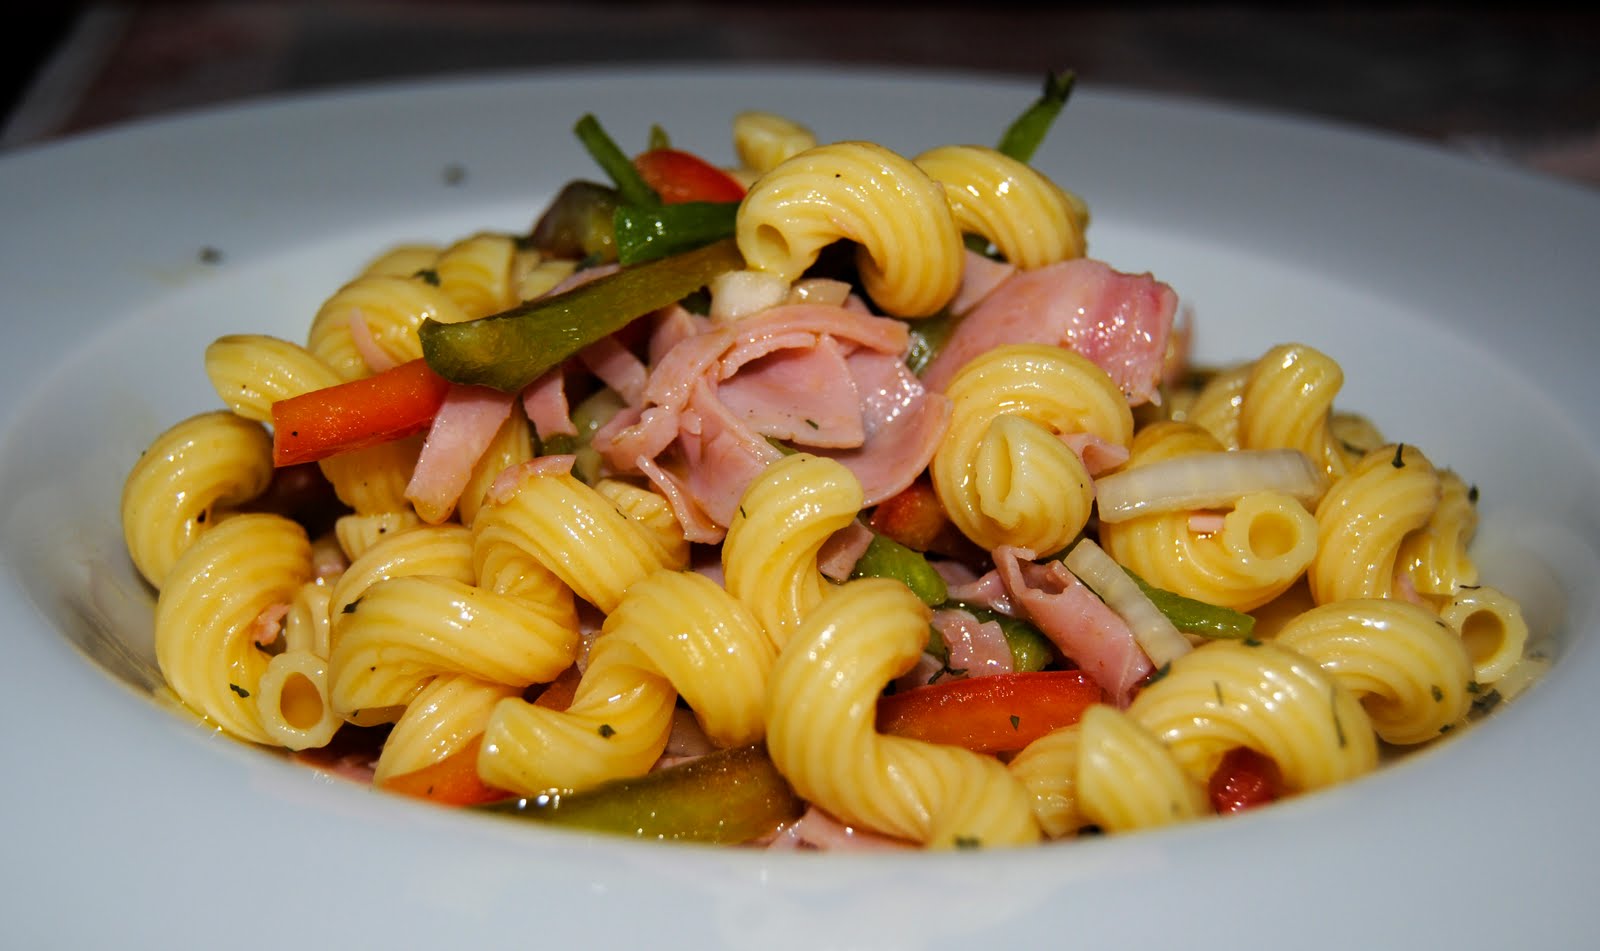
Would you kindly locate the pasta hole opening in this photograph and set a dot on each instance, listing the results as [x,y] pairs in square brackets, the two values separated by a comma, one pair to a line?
[300,702]
[1272,537]
[769,247]
[1483,634]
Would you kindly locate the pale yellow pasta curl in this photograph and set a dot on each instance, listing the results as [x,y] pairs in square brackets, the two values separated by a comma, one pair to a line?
[1266,541]
[1027,217]
[252,371]
[477,274]
[1363,520]
[1436,557]
[1002,471]
[764,140]
[1492,629]
[512,444]
[1275,701]
[443,551]
[206,616]
[292,701]
[769,557]
[392,308]
[821,732]
[1407,665]
[403,260]
[446,715]
[910,256]
[674,633]
[1286,404]
[185,481]
[1216,407]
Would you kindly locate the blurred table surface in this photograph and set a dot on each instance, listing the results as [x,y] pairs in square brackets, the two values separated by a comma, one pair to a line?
[1516,83]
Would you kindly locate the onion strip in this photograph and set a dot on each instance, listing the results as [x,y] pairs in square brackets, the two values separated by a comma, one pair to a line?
[1156,635]
[1207,480]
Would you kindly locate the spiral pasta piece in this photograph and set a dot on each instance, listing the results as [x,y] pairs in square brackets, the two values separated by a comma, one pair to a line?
[822,737]
[1265,543]
[1273,700]
[390,308]
[1022,213]
[1216,407]
[910,256]
[1048,768]
[443,551]
[406,630]
[207,616]
[373,480]
[402,260]
[1363,520]
[1002,471]
[1492,630]
[1408,667]
[512,444]
[252,371]
[358,534]
[575,533]
[185,481]
[292,701]
[476,273]
[1287,402]
[769,557]
[446,715]
[1436,557]
[652,512]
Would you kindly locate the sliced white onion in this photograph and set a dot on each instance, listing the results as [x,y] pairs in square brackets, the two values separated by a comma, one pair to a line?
[1207,480]
[1156,635]
[738,294]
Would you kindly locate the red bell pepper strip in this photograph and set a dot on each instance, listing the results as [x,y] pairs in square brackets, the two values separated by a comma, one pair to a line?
[680,177]
[1243,780]
[995,714]
[452,781]
[913,517]
[375,409]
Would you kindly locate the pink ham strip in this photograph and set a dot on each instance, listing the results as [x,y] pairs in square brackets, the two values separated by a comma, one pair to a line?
[617,368]
[545,403]
[979,276]
[1090,634]
[838,556]
[269,623]
[722,456]
[762,395]
[1096,454]
[903,423]
[374,356]
[1119,321]
[816,829]
[461,432]
[632,433]
[976,647]
[673,326]
[580,278]
[506,484]
[697,527]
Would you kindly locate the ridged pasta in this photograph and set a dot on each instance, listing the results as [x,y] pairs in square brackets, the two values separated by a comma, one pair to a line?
[910,255]
[1408,667]
[1048,768]
[357,534]
[1264,545]
[673,633]
[1127,779]
[765,140]
[769,557]
[446,715]
[1026,216]
[512,444]
[1280,703]
[652,512]
[1492,630]
[406,630]
[207,616]
[1436,556]
[1363,520]
[391,308]
[476,273]
[1216,407]
[403,260]
[1287,402]
[822,736]
[186,481]
[575,533]
[250,372]
[372,481]
[1002,471]
[292,701]
[442,551]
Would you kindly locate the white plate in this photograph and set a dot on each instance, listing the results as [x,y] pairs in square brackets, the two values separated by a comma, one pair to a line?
[1459,297]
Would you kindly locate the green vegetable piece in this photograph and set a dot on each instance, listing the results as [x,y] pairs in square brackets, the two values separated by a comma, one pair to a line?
[617,166]
[726,797]
[1197,617]
[577,224]
[644,234]
[887,558]
[509,350]
[587,417]
[1030,649]
[658,138]
[1023,136]
[928,337]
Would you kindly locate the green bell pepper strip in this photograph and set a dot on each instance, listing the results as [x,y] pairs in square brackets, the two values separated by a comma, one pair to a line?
[928,337]
[1197,617]
[577,224]
[887,558]
[511,349]
[1022,137]
[644,234]
[725,797]
[617,166]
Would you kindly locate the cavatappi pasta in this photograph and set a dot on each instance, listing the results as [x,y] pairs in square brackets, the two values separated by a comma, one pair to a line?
[745,520]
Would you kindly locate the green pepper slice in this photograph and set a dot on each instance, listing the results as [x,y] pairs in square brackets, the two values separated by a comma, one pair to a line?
[726,797]
[887,558]
[509,350]
[1196,617]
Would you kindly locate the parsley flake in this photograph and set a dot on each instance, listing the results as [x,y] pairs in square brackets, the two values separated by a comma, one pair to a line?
[1016,721]
[967,842]
[1399,451]
[428,276]
[1438,695]
[243,693]
[607,731]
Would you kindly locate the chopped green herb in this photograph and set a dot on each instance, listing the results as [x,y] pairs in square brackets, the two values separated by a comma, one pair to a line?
[1338,726]
[1216,687]
[1252,642]
[1159,673]
[239,690]
[967,842]
[1016,721]
[1446,728]
[1438,695]
[1023,136]
[351,607]
[428,276]
[630,184]
[658,138]
[1472,494]
[1473,686]
[1399,461]
[607,731]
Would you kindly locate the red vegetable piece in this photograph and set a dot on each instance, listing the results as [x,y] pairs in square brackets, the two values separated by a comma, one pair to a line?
[913,517]
[452,781]
[1243,780]
[389,405]
[680,177]
[996,714]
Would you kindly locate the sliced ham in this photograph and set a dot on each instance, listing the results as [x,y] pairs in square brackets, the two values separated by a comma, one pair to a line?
[838,556]
[817,830]
[762,394]
[1119,321]
[617,367]
[507,483]
[460,434]
[1090,634]
[976,648]
[980,274]
[545,403]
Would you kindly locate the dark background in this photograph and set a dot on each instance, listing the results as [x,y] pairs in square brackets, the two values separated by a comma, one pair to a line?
[1518,83]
